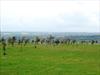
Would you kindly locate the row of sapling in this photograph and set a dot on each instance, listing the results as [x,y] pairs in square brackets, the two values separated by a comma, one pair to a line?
[49,40]
[13,40]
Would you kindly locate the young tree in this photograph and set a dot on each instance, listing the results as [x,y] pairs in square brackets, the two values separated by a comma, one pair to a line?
[3,46]
[13,40]
[26,41]
[92,42]
[50,39]
[57,41]
[9,40]
[37,40]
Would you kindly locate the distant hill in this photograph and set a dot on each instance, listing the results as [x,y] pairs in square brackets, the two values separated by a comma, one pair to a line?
[71,35]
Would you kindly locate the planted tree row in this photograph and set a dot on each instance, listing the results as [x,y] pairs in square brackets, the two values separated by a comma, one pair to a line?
[23,41]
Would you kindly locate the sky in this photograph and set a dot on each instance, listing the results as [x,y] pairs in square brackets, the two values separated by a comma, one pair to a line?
[50,16]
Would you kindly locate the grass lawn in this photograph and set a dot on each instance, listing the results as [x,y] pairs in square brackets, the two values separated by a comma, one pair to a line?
[51,60]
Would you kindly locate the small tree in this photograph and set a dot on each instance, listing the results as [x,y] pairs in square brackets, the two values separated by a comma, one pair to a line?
[92,42]
[26,41]
[57,41]
[3,46]
[13,40]
[9,40]
[37,40]
[50,39]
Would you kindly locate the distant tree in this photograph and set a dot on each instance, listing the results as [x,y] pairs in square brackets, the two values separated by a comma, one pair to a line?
[32,41]
[57,41]
[4,48]
[96,41]
[4,45]
[13,40]
[37,40]
[68,41]
[19,42]
[3,40]
[9,41]
[50,39]
[0,40]
[26,41]
[92,42]
[23,39]
[83,42]
[73,41]
[42,40]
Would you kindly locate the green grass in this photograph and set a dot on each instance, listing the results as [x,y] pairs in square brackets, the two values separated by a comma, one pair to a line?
[51,60]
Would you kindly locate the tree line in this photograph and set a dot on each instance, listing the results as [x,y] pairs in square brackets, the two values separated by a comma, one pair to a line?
[38,40]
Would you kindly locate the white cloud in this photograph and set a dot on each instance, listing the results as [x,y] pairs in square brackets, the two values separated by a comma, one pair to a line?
[49,15]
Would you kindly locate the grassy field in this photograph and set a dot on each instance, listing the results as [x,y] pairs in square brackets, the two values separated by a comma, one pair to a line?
[51,60]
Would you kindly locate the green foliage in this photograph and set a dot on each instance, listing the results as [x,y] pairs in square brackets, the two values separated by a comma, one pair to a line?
[50,60]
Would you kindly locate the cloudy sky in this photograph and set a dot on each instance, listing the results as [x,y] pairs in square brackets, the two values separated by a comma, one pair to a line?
[50,16]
